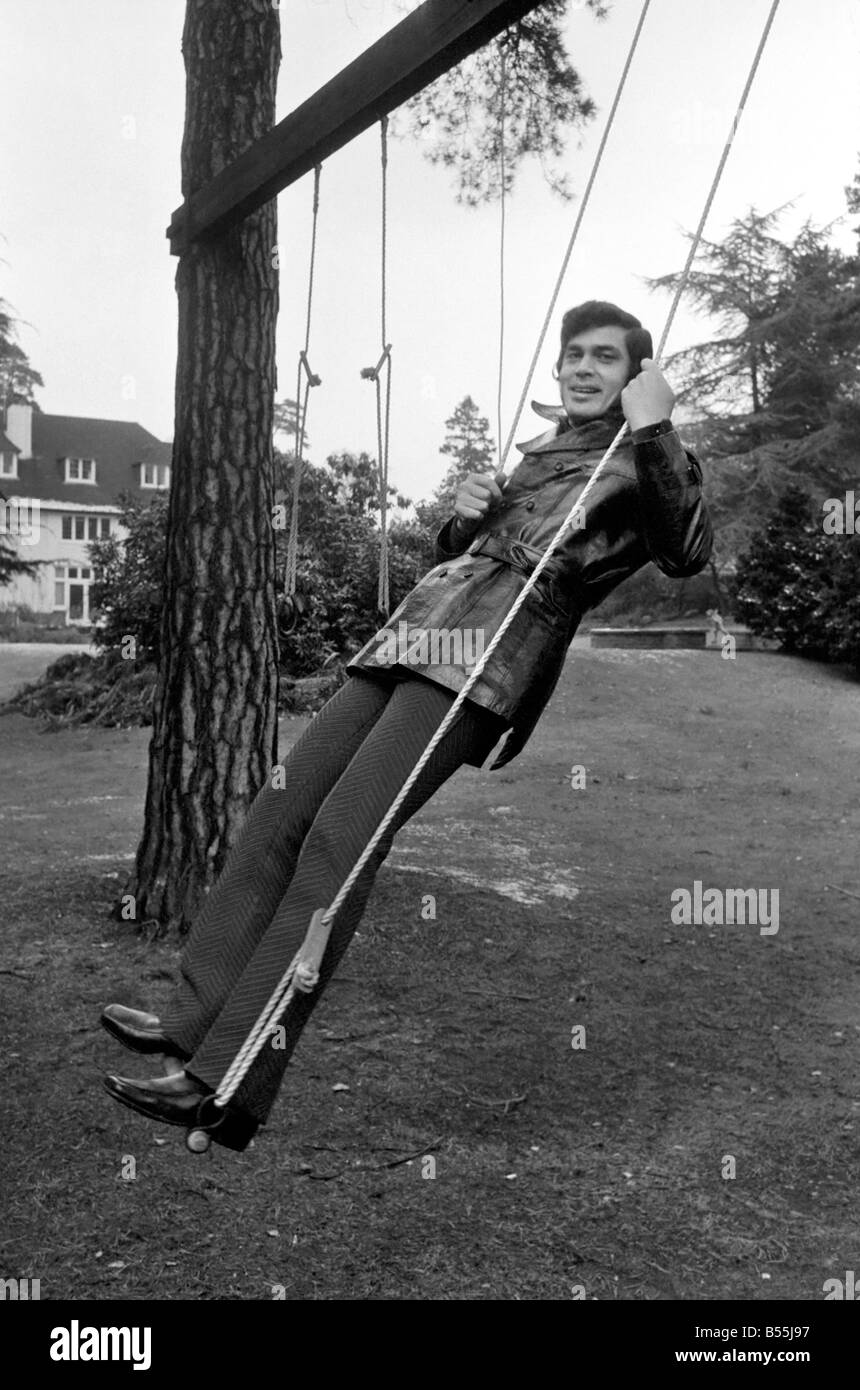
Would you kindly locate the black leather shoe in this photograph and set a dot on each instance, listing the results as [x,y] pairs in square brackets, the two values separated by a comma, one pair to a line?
[139,1031]
[182,1100]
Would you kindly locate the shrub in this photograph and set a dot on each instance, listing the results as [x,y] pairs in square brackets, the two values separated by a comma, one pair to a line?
[801,586]
[127,591]
[337,568]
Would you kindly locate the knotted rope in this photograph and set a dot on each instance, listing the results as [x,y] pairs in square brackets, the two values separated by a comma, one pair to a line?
[383,416]
[302,405]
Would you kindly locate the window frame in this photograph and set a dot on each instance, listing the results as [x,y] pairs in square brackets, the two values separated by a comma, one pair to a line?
[65,575]
[78,465]
[160,472]
[92,522]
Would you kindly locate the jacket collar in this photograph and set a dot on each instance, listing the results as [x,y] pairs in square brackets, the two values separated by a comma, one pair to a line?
[567,438]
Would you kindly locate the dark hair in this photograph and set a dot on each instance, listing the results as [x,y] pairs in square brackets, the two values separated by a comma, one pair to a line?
[599,313]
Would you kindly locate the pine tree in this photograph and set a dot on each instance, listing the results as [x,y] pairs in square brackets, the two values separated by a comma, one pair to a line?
[17,382]
[17,378]
[468,443]
[460,115]
[775,390]
[214,738]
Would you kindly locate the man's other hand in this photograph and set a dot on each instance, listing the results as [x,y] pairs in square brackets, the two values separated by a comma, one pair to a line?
[475,496]
[648,398]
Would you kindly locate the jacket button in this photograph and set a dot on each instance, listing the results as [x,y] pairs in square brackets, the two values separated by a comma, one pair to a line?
[530,506]
[559,467]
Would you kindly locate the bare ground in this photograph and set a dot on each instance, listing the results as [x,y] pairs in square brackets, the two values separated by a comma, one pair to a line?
[557,1169]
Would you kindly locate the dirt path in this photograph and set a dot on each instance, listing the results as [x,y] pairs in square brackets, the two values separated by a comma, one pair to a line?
[708,1049]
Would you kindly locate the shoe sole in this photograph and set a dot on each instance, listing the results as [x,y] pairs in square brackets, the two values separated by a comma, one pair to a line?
[142,1048]
[187,1122]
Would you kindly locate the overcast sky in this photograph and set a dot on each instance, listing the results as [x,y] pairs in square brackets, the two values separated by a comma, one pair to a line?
[92,109]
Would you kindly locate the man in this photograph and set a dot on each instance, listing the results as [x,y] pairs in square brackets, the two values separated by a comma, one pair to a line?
[300,841]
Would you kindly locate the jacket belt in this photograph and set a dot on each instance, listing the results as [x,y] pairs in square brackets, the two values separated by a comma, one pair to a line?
[524,558]
[517,554]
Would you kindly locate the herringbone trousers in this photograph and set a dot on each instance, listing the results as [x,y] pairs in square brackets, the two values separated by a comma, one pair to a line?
[294,852]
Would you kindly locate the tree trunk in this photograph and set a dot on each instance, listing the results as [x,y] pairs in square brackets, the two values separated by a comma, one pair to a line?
[215,717]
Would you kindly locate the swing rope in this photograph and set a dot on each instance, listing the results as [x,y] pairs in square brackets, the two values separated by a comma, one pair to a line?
[503,77]
[383,416]
[302,972]
[302,405]
[610,120]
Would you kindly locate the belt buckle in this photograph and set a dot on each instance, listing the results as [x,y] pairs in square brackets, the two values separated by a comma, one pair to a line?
[520,556]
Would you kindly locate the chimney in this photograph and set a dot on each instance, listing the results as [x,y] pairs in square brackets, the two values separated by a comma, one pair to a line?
[19,427]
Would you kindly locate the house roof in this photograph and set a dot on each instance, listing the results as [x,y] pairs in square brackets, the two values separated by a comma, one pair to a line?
[116,445]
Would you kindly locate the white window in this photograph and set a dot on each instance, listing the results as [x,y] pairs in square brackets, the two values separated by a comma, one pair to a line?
[80,470]
[8,465]
[155,475]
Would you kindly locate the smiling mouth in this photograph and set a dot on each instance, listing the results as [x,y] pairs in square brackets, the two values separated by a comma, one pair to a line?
[585,390]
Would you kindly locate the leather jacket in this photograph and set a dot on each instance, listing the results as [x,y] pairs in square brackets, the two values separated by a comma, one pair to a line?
[647,505]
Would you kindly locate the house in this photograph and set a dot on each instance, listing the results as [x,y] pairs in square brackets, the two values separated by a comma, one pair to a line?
[61,477]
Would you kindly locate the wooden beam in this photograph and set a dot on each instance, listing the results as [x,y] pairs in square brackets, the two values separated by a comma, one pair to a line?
[430,41]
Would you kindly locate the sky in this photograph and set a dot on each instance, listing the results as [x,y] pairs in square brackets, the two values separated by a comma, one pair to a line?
[92,111]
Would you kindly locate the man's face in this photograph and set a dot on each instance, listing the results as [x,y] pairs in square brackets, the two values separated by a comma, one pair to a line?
[594,370]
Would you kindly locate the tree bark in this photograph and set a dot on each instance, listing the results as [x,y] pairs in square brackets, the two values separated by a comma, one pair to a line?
[214,735]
